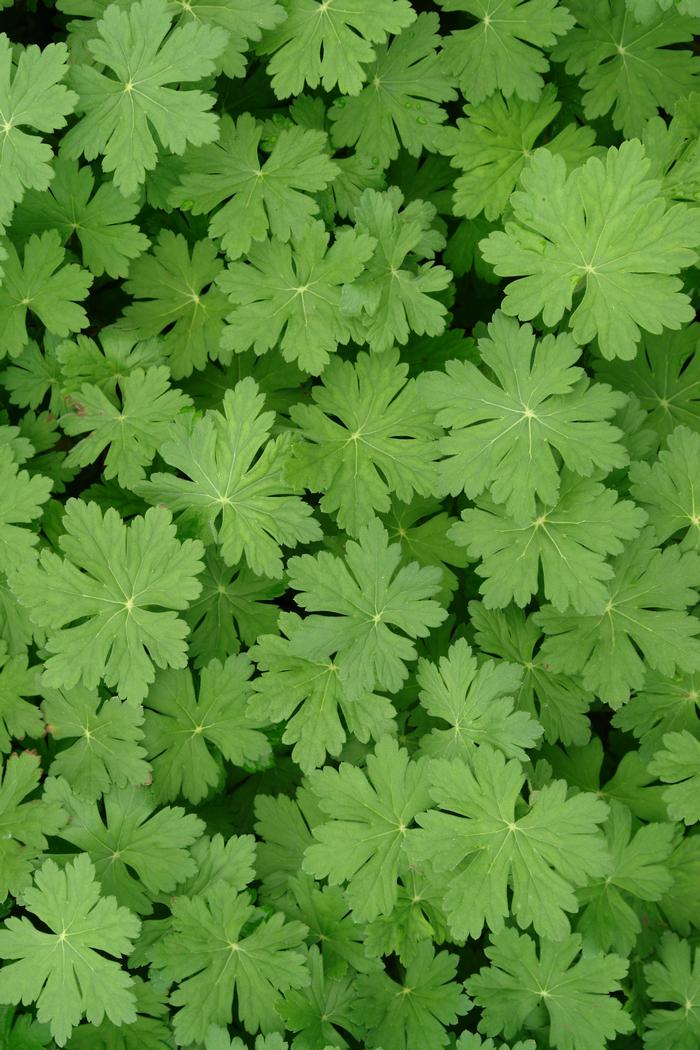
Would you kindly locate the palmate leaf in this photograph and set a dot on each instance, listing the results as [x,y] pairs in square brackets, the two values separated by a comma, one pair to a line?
[212,957]
[138,851]
[673,978]
[257,195]
[328,43]
[604,231]
[577,992]
[370,600]
[363,840]
[108,602]
[87,933]
[180,728]
[568,542]
[645,613]
[106,740]
[25,822]
[123,110]
[505,430]
[234,489]
[502,51]
[476,834]
[310,699]
[31,97]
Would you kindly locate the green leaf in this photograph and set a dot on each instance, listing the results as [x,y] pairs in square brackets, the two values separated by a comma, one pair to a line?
[213,954]
[392,297]
[400,103]
[272,195]
[43,285]
[645,614]
[505,431]
[132,432]
[567,543]
[100,221]
[174,295]
[123,112]
[502,50]
[31,97]
[25,823]
[363,841]
[137,852]
[97,600]
[372,600]
[628,68]
[288,295]
[181,727]
[324,44]
[678,764]
[610,919]
[477,704]
[85,984]
[577,995]
[235,606]
[106,741]
[368,434]
[243,20]
[309,698]
[666,489]
[544,855]
[23,499]
[494,144]
[600,242]
[321,1009]
[558,702]
[234,491]
[663,705]
[673,978]
[416,1010]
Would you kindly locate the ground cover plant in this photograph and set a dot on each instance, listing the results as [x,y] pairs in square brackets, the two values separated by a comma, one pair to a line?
[350,525]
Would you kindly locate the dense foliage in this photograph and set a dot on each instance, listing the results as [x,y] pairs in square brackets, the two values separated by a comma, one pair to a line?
[350,530]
